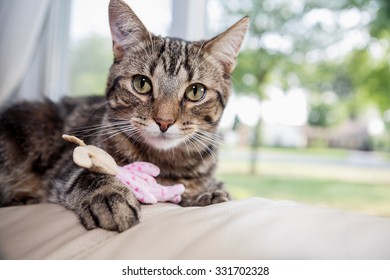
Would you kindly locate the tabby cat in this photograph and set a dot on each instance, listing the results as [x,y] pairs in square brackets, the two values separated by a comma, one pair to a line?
[164,99]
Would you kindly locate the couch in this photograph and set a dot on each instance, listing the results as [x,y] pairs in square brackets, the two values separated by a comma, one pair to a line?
[254,228]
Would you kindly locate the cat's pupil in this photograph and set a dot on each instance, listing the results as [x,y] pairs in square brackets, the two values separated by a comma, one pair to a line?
[194,90]
[142,83]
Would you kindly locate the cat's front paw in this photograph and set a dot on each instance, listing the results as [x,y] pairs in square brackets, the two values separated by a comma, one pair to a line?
[111,209]
[212,197]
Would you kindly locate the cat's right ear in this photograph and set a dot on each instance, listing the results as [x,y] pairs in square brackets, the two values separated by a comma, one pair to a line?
[225,46]
[126,28]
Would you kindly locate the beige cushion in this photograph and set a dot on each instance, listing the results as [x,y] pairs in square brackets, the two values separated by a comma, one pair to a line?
[247,229]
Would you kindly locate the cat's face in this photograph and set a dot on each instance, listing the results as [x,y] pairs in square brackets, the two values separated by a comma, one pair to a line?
[167,92]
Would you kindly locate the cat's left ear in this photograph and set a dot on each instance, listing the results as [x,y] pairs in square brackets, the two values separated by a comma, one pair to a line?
[127,29]
[226,46]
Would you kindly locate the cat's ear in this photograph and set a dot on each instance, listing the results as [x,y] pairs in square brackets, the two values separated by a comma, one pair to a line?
[226,46]
[126,28]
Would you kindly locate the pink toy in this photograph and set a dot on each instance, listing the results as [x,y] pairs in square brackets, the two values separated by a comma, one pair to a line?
[137,176]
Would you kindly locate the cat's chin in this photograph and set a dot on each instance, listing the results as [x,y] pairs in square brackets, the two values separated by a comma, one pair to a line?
[162,142]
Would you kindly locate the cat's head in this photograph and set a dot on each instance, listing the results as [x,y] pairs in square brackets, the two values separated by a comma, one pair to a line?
[170,92]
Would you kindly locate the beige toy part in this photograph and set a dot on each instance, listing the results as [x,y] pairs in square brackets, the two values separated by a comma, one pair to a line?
[92,157]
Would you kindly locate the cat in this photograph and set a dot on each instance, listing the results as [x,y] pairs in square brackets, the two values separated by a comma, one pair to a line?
[164,99]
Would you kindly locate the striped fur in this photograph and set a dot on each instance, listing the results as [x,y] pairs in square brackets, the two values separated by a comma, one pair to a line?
[162,126]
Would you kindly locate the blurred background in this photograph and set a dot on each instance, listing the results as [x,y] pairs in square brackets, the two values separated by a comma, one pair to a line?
[309,119]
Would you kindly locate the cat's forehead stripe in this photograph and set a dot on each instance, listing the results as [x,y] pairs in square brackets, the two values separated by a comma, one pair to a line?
[174,55]
[173,58]
[187,65]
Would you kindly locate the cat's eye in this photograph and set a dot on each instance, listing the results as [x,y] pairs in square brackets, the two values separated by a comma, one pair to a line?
[142,84]
[195,92]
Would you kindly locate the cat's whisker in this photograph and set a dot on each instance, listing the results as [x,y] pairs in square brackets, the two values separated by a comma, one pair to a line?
[113,123]
[200,144]
[206,141]
[104,129]
[93,113]
[211,138]
[197,55]
[231,77]
[140,44]
[215,142]
[144,63]
[130,137]
[200,64]
[210,134]
[97,127]
[125,130]
[111,132]
[193,143]
[151,43]
[205,146]
[229,74]
[185,144]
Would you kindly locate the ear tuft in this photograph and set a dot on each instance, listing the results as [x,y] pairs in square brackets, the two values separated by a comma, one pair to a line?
[226,46]
[127,29]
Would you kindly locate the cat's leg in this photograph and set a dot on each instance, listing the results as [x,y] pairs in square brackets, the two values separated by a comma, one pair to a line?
[100,201]
[22,192]
[203,193]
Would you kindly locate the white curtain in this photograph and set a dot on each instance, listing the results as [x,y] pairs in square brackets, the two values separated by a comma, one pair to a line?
[34,38]
[189,19]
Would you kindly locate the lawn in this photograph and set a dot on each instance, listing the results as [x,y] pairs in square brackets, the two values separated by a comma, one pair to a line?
[327,183]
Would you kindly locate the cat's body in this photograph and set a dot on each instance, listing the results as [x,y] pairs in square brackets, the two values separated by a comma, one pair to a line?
[163,102]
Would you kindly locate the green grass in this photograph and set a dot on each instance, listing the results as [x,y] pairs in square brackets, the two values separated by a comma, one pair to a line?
[344,187]
[368,198]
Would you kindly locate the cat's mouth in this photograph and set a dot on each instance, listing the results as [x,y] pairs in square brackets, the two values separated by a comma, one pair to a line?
[159,140]
[163,141]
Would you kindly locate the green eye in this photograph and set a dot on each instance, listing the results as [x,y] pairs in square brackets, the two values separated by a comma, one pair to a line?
[142,84]
[195,92]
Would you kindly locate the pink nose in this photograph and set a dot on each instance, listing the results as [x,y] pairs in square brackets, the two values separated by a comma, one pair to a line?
[164,124]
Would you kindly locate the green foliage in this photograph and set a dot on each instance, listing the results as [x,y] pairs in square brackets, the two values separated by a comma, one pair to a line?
[371,77]
[320,115]
[91,59]
[381,24]
[250,76]
[291,39]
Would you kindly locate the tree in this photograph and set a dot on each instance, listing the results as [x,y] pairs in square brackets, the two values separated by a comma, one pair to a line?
[380,25]
[316,41]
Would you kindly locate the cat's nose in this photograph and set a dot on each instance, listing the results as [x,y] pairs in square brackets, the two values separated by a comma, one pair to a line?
[164,124]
